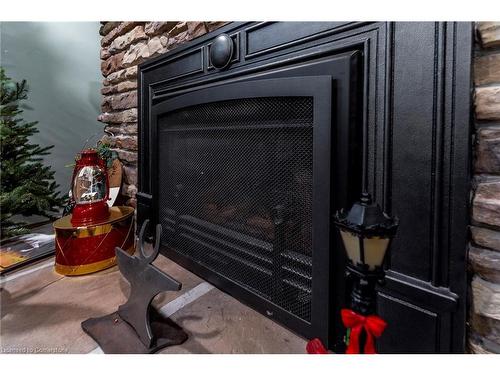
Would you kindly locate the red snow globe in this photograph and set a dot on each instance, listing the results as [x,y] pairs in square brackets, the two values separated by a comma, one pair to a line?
[90,189]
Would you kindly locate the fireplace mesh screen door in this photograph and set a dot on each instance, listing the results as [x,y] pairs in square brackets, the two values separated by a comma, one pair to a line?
[235,194]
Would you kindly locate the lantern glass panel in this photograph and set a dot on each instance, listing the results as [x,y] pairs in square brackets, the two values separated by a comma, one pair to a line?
[375,248]
[89,185]
[351,244]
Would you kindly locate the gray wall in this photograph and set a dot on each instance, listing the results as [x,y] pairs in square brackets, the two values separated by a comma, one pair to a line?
[61,63]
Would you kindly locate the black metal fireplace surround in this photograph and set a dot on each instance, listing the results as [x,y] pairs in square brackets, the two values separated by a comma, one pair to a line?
[244,167]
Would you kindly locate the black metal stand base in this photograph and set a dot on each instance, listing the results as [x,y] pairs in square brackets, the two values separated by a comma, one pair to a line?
[116,336]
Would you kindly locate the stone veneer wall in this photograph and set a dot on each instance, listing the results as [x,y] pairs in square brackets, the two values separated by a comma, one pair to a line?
[484,250]
[124,45]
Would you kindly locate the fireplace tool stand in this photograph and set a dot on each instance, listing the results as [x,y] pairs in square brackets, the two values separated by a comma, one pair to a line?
[137,327]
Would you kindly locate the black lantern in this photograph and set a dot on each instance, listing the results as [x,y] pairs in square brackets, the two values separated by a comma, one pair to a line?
[366,232]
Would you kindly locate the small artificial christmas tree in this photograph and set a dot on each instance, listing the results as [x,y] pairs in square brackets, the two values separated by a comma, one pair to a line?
[27,187]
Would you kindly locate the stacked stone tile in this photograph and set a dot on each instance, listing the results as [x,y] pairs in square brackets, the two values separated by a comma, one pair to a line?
[124,45]
[484,250]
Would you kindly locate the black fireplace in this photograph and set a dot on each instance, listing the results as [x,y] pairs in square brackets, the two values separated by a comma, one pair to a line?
[245,181]
[243,167]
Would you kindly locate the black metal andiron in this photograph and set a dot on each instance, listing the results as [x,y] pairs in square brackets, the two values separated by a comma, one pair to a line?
[137,327]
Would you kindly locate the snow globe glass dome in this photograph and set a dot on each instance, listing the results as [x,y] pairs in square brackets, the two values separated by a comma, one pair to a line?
[90,189]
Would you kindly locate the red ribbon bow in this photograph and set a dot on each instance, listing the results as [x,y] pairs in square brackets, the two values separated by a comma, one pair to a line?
[372,324]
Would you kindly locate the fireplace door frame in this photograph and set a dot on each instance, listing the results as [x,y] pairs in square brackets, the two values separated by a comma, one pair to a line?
[320,88]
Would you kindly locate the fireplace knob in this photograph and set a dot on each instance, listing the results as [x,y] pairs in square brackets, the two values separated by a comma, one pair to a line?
[221,51]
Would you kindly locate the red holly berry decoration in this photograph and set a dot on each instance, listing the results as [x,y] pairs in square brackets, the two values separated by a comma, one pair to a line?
[315,346]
